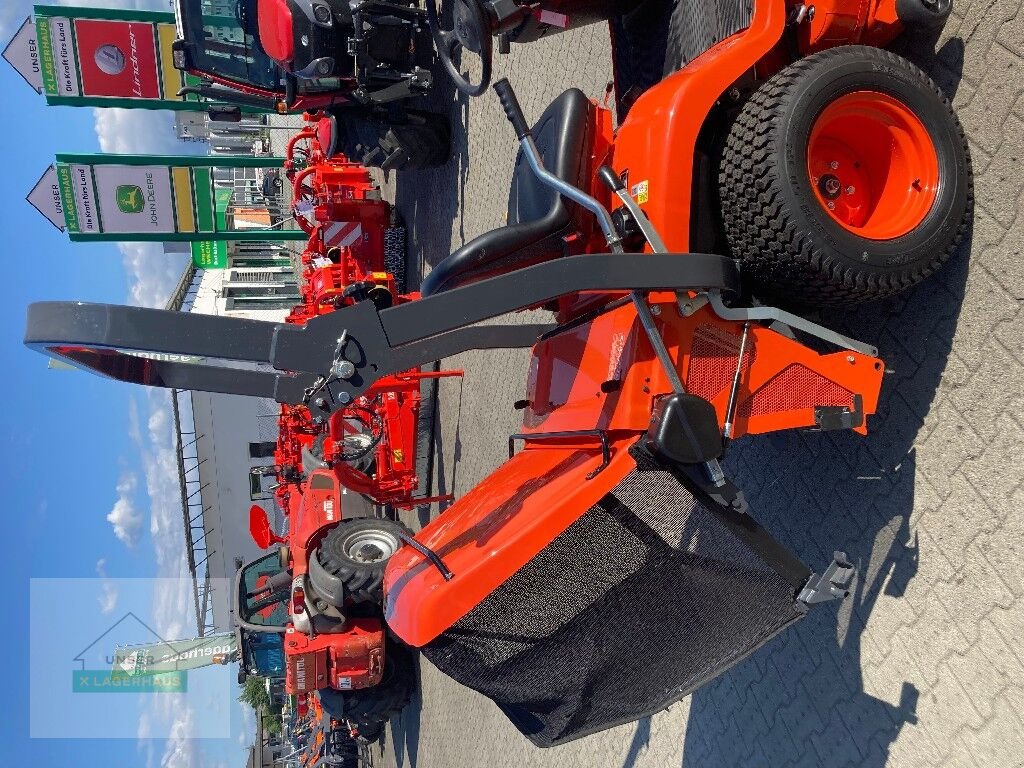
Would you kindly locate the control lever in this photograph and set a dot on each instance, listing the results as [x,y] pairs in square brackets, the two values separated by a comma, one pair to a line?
[610,178]
[340,369]
[615,184]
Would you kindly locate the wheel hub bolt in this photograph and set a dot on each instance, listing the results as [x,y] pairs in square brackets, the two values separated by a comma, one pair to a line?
[850,190]
[834,165]
[830,186]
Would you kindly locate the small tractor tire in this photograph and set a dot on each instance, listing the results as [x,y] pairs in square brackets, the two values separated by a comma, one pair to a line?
[357,551]
[369,707]
[418,140]
[846,177]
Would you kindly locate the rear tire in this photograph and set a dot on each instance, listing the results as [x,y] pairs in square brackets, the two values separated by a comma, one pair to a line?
[418,140]
[357,552]
[794,250]
[369,708]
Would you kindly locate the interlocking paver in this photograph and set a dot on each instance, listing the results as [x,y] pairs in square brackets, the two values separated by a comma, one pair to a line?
[923,666]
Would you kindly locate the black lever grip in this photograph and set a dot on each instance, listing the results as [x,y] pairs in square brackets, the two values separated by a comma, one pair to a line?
[610,178]
[513,111]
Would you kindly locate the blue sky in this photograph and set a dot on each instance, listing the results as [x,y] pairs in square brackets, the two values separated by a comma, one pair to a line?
[91,481]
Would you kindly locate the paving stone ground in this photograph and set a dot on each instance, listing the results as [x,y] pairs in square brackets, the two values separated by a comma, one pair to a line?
[924,664]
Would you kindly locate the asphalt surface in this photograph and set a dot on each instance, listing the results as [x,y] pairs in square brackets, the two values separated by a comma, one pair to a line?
[924,664]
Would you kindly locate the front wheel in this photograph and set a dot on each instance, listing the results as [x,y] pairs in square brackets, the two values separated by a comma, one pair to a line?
[846,177]
[357,552]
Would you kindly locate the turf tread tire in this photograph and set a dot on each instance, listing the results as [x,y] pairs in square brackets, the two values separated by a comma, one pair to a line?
[778,246]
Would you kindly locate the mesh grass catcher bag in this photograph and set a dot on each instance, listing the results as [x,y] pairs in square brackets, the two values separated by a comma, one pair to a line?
[651,592]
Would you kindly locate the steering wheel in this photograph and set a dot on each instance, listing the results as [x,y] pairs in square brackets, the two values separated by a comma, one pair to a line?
[472,33]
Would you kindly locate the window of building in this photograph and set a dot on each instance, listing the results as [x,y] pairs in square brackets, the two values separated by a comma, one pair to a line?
[264,450]
[256,261]
[255,487]
[260,276]
[257,305]
[261,303]
[259,291]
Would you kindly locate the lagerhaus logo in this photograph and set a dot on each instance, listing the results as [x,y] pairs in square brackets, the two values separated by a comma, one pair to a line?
[130,198]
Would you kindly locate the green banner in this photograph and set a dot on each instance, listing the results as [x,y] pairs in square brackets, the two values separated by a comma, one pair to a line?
[210,255]
[214,254]
[174,655]
[67,196]
[46,63]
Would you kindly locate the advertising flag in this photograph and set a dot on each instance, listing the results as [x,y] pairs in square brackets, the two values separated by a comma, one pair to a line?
[174,655]
[100,57]
[152,198]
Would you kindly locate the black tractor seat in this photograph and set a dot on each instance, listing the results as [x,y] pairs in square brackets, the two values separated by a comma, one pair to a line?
[538,218]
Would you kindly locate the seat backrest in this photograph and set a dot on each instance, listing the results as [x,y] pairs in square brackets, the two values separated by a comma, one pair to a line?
[562,134]
[538,218]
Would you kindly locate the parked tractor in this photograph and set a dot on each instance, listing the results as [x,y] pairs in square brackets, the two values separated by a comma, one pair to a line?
[312,610]
[361,62]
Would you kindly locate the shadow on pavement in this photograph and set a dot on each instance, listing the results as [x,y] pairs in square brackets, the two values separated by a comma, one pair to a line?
[429,199]
[801,699]
[403,733]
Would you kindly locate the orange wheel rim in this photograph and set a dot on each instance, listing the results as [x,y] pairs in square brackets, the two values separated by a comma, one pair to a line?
[872,165]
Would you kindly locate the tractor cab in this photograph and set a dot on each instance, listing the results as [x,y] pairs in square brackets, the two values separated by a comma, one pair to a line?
[262,595]
[262,654]
[287,55]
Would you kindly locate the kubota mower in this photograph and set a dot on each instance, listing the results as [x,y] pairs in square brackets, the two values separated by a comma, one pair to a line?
[609,567]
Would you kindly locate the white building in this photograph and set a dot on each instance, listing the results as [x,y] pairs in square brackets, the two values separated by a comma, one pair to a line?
[222,438]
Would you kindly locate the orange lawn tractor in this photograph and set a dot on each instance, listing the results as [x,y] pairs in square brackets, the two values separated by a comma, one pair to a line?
[610,567]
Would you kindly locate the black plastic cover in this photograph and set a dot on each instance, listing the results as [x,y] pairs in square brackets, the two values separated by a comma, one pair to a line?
[684,430]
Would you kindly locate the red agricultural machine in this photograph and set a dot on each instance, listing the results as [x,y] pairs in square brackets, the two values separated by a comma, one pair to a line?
[362,62]
[610,567]
[356,252]
[321,592]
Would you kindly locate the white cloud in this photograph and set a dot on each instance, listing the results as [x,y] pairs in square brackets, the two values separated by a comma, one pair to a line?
[108,599]
[245,735]
[152,274]
[125,518]
[180,750]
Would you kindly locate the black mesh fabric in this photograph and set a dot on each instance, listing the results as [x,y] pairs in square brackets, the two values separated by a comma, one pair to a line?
[647,596]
